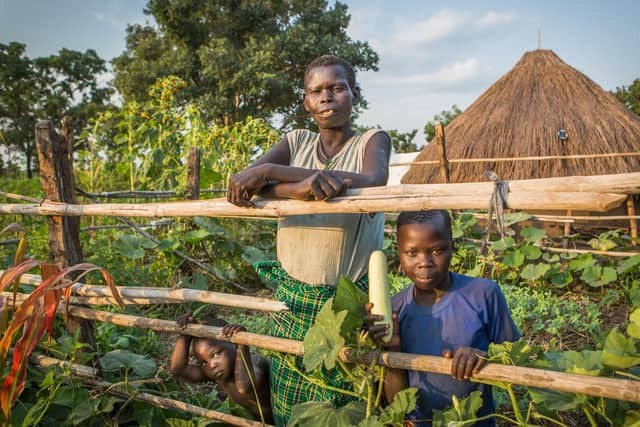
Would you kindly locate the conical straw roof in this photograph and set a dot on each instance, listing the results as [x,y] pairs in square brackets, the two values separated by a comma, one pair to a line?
[520,115]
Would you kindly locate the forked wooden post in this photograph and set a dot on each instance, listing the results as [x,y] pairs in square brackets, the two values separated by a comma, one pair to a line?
[55,156]
[442,151]
[631,211]
[193,174]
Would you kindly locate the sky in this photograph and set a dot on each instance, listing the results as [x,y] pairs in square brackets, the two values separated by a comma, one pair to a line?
[433,54]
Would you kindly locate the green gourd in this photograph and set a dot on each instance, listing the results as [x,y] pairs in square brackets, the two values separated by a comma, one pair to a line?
[379,290]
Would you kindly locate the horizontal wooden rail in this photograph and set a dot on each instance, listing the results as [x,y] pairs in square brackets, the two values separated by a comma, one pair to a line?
[519,159]
[567,250]
[613,388]
[89,375]
[127,194]
[568,218]
[94,294]
[593,193]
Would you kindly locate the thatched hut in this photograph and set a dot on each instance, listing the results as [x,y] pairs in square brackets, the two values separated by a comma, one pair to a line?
[542,107]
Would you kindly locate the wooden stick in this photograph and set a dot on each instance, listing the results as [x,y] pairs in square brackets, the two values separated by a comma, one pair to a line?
[89,375]
[619,389]
[442,153]
[20,297]
[193,173]
[520,159]
[631,210]
[20,197]
[570,251]
[127,194]
[277,208]
[572,218]
[138,295]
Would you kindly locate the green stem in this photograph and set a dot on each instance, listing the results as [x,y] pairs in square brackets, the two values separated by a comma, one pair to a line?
[253,387]
[539,416]
[369,400]
[318,382]
[514,404]
[589,415]
[380,387]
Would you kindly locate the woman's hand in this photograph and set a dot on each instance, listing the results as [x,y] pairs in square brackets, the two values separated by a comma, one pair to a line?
[245,184]
[467,361]
[378,331]
[322,185]
[185,319]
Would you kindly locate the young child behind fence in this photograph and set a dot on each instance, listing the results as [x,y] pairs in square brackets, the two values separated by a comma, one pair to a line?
[242,377]
[441,314]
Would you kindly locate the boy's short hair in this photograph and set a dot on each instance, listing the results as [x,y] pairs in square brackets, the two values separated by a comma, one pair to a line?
[329,60]
[422,217]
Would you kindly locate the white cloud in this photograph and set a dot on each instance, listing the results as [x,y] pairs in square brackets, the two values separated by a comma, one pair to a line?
[495,19]
[435,28]
[454,74]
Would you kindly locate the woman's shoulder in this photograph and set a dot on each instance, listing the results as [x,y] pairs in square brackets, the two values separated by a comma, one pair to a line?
[298,136]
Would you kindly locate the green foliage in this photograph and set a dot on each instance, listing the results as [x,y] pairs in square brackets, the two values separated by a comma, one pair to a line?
[629,96]
[462,410]
[46,87]
[403,141]
[444,117]
[323,341]
[240,61]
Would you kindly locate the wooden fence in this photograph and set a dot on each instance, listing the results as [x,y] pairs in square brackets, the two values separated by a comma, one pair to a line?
[599,193]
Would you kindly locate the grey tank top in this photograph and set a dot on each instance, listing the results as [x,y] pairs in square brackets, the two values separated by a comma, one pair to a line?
[318,249]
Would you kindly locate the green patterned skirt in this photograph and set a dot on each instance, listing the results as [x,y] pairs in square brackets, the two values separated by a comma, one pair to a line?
[288,388]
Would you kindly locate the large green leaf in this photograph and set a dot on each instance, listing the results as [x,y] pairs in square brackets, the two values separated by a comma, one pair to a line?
[634,324]
[323,414]
[534,271]
[350,298]
[531,252]
[251,254]
[629,264]
[130,246]
[210,224]
[586,362]
[619,352]
[403,403]
[462,410]
[503,244]
[532,234]
[557,401]
[581,262]
[196,236]
[513,258]
[323,341]
[116,360]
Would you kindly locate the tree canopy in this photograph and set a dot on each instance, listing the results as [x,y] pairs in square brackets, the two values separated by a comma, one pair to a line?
[444,117]
[46,87]
[630,96]
[239,58]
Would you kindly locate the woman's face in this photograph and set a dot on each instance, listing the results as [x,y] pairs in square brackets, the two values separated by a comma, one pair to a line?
[328,96]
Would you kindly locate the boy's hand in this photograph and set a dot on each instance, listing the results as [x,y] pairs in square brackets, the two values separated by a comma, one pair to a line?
[230,330]
[322,185]
[467,361]
[244,185]
[185,319]
[377,332]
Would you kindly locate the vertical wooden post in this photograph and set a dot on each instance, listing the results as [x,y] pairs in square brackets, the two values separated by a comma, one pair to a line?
[567,231]
[631,211]
[442,151]
[55,156]
[193,174]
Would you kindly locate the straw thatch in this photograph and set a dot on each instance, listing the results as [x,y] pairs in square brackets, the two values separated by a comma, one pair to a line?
[520,115]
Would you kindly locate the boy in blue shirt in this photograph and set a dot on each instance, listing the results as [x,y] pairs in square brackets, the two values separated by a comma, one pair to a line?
[441,313]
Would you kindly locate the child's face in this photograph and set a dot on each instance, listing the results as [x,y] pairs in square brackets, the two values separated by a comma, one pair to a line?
[425,254]
[216,357]
[328,96]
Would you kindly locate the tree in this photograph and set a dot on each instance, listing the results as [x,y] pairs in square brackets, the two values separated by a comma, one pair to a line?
[240,58]
[629,96]
[47,87]
[445,117]
[403,141]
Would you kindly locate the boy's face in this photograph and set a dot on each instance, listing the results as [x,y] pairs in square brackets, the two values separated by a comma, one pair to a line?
[216,357]
[425,254]
[328,96]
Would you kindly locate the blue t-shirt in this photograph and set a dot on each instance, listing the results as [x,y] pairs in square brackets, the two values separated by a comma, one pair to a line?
[472,313]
